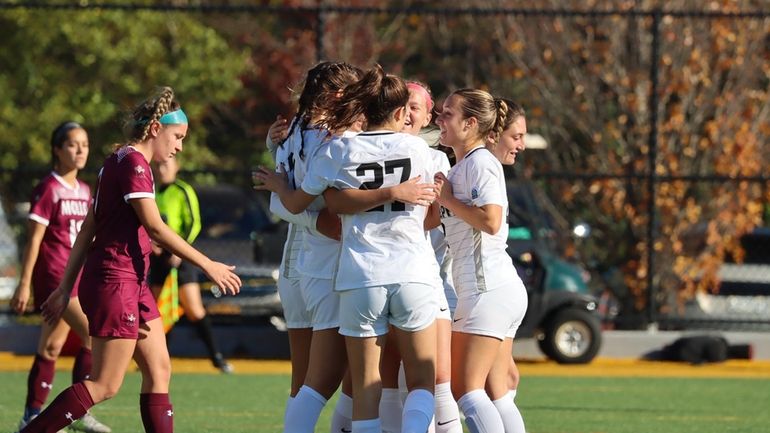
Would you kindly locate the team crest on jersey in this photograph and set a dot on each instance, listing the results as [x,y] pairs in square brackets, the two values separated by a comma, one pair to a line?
[139,170]
[474,193]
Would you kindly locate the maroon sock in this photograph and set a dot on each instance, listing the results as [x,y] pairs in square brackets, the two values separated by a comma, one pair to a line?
[39,382]
[68,406]
[157,413]
[82,368]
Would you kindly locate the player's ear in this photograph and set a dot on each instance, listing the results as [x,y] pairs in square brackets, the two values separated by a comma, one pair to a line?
[399,114]
[154,129]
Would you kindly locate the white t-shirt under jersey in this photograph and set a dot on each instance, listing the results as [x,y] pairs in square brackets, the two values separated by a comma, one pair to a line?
[387,244]
[479,260]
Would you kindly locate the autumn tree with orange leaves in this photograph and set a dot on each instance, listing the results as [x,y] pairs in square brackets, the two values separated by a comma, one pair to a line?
[586,84]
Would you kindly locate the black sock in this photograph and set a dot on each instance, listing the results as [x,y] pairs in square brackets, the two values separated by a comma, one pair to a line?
[203,328]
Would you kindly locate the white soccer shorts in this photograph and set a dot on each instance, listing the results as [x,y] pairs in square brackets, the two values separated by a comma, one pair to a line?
[322,302]
[294,309]
[495,313]
[366,312]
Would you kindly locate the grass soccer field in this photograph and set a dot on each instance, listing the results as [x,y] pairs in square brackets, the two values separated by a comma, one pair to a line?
[572,401]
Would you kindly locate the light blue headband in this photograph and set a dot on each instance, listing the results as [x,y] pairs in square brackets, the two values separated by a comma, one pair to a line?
[173,118]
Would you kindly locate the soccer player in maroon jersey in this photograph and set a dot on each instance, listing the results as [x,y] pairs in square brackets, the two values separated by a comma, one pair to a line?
[114,244]
[58,207]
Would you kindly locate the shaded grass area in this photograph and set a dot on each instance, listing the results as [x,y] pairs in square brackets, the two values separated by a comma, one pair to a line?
[254,403]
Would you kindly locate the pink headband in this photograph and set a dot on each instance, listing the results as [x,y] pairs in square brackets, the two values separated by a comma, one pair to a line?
[425,94]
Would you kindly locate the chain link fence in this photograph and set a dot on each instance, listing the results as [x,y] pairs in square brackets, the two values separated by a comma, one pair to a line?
[655,120]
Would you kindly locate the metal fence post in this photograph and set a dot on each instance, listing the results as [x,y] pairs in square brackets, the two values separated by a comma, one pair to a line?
[652,176]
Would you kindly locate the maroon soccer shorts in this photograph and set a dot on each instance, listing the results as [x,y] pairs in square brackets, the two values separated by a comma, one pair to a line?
[42,289]
[116,309]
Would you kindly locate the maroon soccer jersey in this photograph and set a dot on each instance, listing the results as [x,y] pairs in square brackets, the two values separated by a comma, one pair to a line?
[121,245]
[60,207]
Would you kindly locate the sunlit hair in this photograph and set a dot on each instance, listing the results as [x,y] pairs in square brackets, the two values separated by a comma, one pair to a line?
[424,90]
[376,95]
[137,125]
[507,113]
[323,80]
[481,106]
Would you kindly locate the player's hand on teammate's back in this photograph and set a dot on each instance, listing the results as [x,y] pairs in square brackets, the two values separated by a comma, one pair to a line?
[20,298]
[414,192]
[268,180]
[329,224]
[222,275]
[279,130]
[54,306]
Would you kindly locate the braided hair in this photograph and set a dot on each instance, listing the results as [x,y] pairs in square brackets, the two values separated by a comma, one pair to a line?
[322,80]
[137,126]
[507,113]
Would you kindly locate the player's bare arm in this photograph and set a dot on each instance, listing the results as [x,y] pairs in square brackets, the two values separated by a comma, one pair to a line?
[487,218]
[433,216]
[294,200]
[220,274]
[22,293]
[351,201]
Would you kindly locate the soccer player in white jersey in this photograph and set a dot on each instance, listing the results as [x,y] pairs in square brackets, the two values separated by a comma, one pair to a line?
[310,254]
[381,275]
[492,299]
[447,417]
[505,142]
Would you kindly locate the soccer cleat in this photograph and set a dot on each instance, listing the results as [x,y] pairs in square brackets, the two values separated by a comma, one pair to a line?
[222,364]
[23,423]
[89,424]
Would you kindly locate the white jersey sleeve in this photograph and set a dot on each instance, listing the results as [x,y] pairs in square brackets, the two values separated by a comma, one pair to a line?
[285,157]
[306,219]
[479,260]
[441,162]
[484,179]
[323,168]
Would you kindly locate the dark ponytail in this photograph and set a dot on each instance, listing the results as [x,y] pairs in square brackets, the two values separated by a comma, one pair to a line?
[376,96]
[322,80]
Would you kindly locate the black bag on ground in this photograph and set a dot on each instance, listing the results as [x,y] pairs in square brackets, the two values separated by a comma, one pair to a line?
[697,349]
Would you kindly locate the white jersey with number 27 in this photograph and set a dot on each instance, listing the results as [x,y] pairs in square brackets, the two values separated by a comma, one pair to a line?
[387,244]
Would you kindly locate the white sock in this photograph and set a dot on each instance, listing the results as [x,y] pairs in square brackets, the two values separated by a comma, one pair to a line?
[342,418]
[510,414]
[304,411]
[391,410]
[481,415]
[367,426]
[289,401]
[512,394]
[432,425]
[447,413]
[402,388]
[418,411]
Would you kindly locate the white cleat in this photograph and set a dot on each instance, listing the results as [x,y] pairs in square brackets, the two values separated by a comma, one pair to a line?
[89,424]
